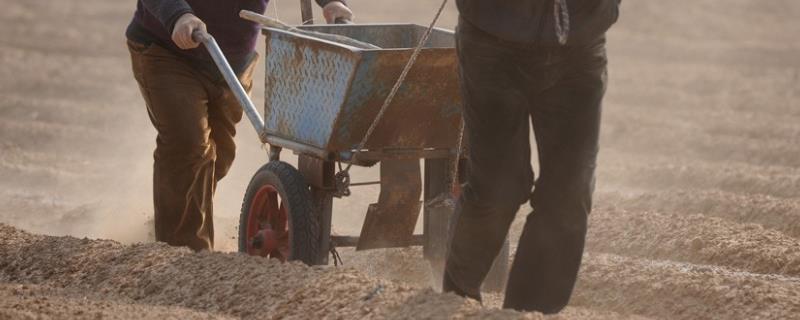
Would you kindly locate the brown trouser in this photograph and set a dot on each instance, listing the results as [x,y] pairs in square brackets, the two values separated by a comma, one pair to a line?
[195,114]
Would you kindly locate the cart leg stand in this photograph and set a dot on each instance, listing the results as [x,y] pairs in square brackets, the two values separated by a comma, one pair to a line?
[436,224]
[436,218]
[498,275]
[323,201]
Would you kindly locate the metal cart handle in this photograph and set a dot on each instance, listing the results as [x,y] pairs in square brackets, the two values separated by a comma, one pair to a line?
[233,81]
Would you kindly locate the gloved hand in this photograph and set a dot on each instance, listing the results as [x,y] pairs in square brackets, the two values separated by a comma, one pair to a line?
[336,10]
[184,27]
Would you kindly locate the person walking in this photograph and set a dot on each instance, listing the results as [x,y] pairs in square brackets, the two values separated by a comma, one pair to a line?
[190,105]
[522,63]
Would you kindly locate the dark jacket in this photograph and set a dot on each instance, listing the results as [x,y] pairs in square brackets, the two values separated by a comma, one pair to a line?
[533,21]
[154,20]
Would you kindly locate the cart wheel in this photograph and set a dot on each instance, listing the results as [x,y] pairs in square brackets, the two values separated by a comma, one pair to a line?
[498,275]
[278,218]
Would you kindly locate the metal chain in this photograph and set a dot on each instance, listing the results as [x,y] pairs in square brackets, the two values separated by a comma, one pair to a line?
[337,259]
[344,175]
[457,160]
[561,15]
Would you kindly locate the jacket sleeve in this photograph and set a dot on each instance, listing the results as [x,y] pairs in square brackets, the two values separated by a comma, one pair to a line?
[322,3]
[167,11]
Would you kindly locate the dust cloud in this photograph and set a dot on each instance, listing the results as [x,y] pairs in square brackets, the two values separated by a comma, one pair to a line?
[697,209]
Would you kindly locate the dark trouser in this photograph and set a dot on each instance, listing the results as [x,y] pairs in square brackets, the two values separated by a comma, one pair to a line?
[195,115]
[506,87]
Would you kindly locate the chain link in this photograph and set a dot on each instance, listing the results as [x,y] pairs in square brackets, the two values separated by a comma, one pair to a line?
[562,25]
[343,177]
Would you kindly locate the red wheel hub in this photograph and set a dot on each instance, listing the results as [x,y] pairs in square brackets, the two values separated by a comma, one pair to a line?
[267,225]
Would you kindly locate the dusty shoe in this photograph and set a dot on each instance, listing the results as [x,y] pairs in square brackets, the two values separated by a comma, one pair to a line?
[449,286]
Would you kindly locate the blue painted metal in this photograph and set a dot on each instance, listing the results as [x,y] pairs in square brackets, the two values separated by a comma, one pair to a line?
[325,95]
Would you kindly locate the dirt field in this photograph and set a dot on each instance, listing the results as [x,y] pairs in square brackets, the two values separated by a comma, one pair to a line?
[697,212]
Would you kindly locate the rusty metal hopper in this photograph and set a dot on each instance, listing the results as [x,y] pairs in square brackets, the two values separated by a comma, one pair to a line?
[321,96]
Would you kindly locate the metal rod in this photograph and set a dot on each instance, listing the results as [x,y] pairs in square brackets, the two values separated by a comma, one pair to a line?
[350,241]
[344,241]
[232,80]
[297,147]
[403,154]
[306,12]
[276,24]
[356,184]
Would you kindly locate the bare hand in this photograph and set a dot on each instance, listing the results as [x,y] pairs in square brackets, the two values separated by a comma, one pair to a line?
[336,10]
[184,27]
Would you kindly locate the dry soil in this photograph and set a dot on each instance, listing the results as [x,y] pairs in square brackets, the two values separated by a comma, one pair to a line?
[697,211]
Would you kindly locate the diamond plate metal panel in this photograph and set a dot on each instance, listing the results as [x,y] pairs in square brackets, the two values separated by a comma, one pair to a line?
[305,87]
[325,95]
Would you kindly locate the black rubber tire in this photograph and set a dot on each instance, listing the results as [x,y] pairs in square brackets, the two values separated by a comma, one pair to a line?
[304,227]
[498,275]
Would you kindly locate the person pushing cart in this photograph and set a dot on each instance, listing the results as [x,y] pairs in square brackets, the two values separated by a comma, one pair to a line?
[191,106]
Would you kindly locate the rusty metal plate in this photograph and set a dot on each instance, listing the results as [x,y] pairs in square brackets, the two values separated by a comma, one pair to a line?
[325,95]
[390,222]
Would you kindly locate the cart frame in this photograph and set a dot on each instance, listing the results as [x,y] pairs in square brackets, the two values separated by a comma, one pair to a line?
[391,221]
